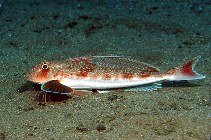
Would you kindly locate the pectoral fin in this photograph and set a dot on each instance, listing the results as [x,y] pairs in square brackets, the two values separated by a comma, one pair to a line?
[55,87]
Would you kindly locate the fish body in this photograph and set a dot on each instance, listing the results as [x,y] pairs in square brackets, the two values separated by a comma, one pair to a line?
[105,72]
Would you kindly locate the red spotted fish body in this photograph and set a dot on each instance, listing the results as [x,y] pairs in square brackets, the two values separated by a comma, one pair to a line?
[105,72]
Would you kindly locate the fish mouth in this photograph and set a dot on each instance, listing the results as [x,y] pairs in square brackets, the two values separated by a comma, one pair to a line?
[28,76]
[34,80]
[31,76]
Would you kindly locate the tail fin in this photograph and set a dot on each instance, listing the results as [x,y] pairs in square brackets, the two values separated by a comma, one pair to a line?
[185,72]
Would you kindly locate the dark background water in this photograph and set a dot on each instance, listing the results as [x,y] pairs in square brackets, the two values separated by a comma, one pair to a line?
[162,33]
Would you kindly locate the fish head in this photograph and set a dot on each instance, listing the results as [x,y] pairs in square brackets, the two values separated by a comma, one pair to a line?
[41,73]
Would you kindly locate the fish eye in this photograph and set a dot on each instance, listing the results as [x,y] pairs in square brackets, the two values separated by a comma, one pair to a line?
[45,66]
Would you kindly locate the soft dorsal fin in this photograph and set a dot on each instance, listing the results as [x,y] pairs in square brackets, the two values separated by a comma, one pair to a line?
[113,64]
[123,62]
[118,62]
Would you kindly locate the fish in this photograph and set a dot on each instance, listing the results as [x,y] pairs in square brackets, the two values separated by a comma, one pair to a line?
[78,76]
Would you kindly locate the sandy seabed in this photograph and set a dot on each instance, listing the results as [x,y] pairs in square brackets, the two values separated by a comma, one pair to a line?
[162,33]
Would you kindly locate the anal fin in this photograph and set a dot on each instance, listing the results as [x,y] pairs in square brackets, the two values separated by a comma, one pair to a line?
[147,87]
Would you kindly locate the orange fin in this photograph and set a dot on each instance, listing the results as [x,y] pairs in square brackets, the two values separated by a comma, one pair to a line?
[185,72]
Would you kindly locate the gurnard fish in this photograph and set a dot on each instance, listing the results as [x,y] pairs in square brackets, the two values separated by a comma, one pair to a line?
[78,76]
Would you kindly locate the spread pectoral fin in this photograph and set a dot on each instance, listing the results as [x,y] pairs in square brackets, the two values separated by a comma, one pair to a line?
[54,86]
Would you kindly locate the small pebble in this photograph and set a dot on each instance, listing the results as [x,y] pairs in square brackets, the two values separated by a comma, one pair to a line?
[101,127]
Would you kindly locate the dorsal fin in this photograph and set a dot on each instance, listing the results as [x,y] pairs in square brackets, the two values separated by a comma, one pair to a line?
[112,64]
[121,62]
